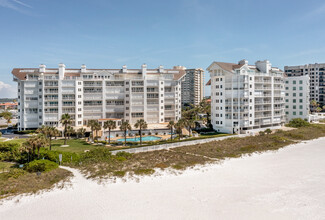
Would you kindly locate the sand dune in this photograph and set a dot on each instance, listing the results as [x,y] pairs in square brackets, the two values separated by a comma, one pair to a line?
[288,184]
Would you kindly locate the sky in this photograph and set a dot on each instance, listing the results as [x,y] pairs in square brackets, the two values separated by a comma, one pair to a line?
[191,33]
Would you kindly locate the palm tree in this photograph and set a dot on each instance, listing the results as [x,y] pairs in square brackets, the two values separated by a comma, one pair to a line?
[92,124]
[70,131]
[171,125]
[125,126]
[97,127]
[179,126]
[36,142]
[81,132]
[205,107]
[110,125]
[7,116]
[314,104]
[65,120]
[141,124]
[189,124]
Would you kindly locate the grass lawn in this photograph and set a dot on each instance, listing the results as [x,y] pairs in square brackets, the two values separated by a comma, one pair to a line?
[18,140]
[75,145]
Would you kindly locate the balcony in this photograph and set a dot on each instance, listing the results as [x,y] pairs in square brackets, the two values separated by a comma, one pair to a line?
[93,97]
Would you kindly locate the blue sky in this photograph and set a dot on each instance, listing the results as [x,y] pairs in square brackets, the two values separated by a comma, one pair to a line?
[192,33]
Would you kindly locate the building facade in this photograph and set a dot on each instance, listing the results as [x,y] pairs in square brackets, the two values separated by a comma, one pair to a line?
[193,87]
[245,97]
[297,97]
[316,73]
[44,94]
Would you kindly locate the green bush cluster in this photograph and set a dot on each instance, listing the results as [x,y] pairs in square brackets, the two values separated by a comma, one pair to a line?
[41,166]
[10,152]
[14,173]
[25,132]
[67,157]
[298,123]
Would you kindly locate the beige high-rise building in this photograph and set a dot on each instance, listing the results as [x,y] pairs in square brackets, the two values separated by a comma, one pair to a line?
[193,87]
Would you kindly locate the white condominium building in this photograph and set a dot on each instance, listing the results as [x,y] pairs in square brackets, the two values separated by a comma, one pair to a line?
[316,74]
[193,87]
[44,94]
[297,97]
[245,97]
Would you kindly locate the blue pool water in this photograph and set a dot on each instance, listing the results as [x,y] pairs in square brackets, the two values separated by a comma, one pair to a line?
[137,139]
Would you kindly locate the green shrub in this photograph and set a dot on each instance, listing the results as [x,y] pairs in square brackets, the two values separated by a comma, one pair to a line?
[124,154]
[0,134]
[10,152]
[41,166]
[268,131]
[14,173]
[54,156]
[298,123]
[119,173]
[96,155]
[261,133]
[144,171]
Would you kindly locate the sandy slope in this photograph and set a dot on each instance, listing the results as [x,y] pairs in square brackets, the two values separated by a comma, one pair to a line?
[288,184]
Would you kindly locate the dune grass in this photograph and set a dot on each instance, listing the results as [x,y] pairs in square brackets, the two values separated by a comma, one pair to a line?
[188,156]
[11,185]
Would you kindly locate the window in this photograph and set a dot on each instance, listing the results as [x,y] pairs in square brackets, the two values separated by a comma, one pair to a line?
[79,96]
[294,100]
[294,107]
[294,88]
[300,100]
[300,107]
[79,116]
[294,113]
[79,90]
[300,113]
[287,106]
[300,81]
[79,83]
[300,94]
[79,109]
[294,81]
[300,87]
[294,94]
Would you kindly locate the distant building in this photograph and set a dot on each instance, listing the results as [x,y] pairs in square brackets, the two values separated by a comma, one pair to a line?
[193,87]
[297,97]
[245,97]
[44,94]
[316,73]
[9,105]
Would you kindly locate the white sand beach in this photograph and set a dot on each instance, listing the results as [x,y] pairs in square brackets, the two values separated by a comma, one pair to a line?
[287,184]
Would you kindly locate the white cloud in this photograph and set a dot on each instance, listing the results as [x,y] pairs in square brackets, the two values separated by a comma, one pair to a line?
[13,4]
[7,90]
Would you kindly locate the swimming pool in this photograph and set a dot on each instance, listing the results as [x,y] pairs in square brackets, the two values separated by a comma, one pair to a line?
[137,139]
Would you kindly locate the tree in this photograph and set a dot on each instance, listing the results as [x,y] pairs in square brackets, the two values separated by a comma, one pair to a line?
[205,107]
[141,124]
[110,125]
[34,143]
[92,124]
[179,126]
[81,132]
[65,120]
[314,104]
[125,126]
[70,131]
[48,132]
[171,125]
[268,131]
[318,109]
[7,116]
[189,124]
[97,127]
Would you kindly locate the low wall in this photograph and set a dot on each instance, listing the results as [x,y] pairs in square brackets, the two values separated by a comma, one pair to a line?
[174,145]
